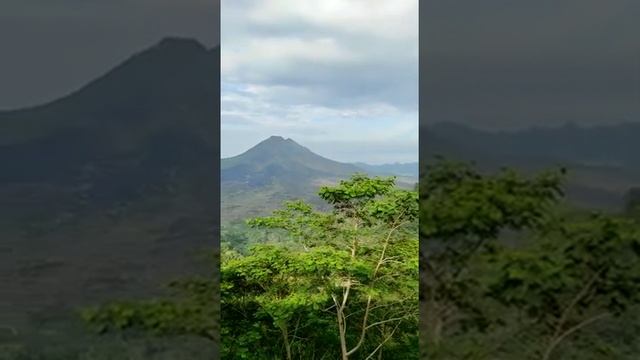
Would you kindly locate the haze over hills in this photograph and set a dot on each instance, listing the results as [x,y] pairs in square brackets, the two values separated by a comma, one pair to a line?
[611,145]
[602,160]
[106,193]
[409,170]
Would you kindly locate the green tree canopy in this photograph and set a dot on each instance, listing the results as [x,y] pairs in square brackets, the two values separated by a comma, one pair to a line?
[506,275]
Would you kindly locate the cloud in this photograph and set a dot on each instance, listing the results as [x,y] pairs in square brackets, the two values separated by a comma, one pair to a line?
[381,19]
[375,132]
[333,70]
[278,54]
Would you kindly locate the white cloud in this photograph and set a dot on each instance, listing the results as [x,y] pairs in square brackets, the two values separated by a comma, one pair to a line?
[321,72]
[392,19]
[270,53]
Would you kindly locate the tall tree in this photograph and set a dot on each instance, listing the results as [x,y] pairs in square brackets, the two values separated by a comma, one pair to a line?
[358,262]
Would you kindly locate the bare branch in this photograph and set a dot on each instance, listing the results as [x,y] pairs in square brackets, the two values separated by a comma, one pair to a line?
[570,331]
[383,342]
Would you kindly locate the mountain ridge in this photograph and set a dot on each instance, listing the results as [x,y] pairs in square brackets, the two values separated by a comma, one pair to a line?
[613,143]
[174,44]
[285,155]
[171,69]
[112,182]
[601,159]
[278,169]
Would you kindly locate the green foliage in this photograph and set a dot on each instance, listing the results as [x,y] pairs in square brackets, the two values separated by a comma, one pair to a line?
[359,261]
[191,312]
[507,275]
[283,291]
[632,205]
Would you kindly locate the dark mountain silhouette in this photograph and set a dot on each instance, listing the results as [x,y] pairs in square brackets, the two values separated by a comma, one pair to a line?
[111,189]
[612,145]
[157,103]
[143,125]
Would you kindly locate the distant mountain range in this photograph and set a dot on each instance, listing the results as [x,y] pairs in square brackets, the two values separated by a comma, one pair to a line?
[281,159]
[289,161]
[603,160]
[409,170]
[611,146]
[279,169]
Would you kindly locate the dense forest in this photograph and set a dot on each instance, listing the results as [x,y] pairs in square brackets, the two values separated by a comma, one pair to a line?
[508,270]
[304,283]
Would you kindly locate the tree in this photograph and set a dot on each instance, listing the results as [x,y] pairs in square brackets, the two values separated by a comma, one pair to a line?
[632,202]
[342,283]
[576,275]
[462,215]
[507,275]
[358,262]
[193,309]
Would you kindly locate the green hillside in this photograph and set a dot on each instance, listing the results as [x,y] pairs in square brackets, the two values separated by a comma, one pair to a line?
[277,169]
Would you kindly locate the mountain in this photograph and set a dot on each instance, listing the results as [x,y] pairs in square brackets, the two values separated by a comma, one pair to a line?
[284,160]
[609,145]
[158,100]
[107,192]
[601,159]
[277,169]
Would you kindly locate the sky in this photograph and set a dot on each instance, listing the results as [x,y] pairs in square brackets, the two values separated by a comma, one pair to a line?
[490,64]
[53,47]
[504,64]
[339,77]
